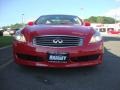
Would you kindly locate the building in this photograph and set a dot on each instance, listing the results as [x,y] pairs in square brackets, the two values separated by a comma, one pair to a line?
[107,28]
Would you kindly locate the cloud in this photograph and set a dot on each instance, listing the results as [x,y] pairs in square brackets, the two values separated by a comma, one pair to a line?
[115,13]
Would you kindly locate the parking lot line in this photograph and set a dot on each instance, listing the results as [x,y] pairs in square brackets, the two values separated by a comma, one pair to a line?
[5,47]
[6,64]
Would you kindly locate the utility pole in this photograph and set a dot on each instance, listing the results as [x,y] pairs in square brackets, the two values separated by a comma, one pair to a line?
[116,23]
[81,12]
[22,16]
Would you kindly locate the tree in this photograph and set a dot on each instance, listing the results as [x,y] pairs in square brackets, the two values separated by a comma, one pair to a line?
[13,26]
[109,20]
[101,19]
[5,27]
[92,19]
[16,26]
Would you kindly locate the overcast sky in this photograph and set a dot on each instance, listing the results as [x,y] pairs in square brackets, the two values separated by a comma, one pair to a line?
[11,11]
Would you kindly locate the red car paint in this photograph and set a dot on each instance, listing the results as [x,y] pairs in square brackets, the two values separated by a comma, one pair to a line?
[88,54]
[114,32]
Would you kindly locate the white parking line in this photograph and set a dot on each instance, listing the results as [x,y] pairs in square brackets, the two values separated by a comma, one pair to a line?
[5,47]
[6,64]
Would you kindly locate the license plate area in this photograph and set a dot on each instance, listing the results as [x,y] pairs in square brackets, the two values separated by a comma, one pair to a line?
[57,57]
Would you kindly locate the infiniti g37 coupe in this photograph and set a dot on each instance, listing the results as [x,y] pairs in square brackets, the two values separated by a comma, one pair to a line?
[58,41]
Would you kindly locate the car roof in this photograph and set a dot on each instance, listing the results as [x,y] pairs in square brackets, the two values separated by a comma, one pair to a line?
[59,15]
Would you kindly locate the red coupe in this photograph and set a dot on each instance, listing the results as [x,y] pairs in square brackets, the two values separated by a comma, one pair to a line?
[58,41]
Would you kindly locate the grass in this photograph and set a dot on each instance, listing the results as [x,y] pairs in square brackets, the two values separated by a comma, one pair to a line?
[5,41]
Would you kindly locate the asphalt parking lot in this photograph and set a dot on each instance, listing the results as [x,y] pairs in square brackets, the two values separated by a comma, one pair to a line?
[102,77]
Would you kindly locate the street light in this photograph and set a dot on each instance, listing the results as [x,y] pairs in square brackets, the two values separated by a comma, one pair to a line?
[22,18]
[81,12]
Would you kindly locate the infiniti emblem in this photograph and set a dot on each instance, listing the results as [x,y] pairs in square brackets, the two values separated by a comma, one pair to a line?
[57,41]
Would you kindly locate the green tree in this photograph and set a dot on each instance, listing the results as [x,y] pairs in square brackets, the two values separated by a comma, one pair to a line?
[16,26]
[5,27]
[92,19]
[108,20]
[101,19]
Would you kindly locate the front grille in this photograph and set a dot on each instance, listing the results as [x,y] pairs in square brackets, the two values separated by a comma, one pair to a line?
[58,41]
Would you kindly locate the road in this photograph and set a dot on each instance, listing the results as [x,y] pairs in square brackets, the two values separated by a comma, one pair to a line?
[102,77]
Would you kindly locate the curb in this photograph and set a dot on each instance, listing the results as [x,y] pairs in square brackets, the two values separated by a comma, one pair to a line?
[5,47]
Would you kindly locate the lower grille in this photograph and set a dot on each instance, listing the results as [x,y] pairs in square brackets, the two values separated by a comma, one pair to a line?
[85,58]
[58,41]
[29,57]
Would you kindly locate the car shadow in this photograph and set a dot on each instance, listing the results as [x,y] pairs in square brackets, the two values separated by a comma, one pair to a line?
[110,65]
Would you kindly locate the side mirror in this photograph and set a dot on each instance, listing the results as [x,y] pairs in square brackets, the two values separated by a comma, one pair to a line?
[31,23]
[86,23]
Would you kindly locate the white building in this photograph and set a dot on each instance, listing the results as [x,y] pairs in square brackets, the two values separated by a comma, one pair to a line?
[106,28]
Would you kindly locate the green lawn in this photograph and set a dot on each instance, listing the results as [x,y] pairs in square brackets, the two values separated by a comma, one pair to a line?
[5,41]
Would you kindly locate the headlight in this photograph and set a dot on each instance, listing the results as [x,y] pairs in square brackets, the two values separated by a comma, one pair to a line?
[19,36]
[96,37]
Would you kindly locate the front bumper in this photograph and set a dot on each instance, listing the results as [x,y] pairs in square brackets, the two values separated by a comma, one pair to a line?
[27,54]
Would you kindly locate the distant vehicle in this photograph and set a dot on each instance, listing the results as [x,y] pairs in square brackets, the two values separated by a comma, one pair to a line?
[114,32]
[12,32]
[107,28]
[1,32]
[58,41]
[8,32]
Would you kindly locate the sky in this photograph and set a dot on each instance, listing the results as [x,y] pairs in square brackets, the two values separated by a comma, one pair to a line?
[16,11]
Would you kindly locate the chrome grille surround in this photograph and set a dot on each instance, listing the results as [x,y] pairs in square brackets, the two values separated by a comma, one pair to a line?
[58,41]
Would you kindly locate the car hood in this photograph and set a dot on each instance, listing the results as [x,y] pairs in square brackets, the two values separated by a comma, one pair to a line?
[73,30]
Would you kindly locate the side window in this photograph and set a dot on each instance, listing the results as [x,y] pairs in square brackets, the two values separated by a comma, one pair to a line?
[110,29]
[102,30]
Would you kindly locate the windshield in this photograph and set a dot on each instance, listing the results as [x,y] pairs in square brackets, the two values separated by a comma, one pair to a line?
[58,19]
